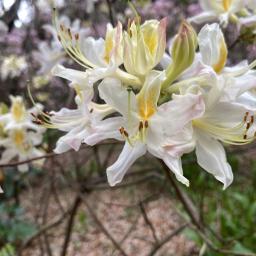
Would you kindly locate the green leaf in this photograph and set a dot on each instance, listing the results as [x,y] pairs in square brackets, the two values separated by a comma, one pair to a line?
[239,248]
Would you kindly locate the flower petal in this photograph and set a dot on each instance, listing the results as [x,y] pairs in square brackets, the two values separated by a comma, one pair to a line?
[172,116]
[203,17]
[148,96]
[213,46]
[175,166]
[74,76]
[128,156]
[106,129]
[117,96]
[211,157]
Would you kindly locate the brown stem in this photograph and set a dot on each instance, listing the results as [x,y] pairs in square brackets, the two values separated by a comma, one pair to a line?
[166,239]
[69,228]
[148,222]
[184,199]
[110,12]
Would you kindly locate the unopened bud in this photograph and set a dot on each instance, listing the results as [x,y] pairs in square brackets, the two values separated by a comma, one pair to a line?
[182,52]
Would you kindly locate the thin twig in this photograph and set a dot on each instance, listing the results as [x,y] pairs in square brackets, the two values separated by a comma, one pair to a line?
[43,229]
[101,226]
[49,155]
[148,222]
[167,238]
[184,199]
[70,224]
[110,12]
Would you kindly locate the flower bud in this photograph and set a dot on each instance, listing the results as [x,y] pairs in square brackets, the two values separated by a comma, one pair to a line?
[182,52]
[144,46]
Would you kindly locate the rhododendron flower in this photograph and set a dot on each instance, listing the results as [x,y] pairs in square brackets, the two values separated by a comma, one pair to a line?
[12,66]
[22,144]
[221,10]
[162,130]
[83,125]
[19,116]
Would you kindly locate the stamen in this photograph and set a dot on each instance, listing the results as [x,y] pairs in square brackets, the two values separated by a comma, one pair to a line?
[146,124]
[252,119]
[72,49]
[140,126]
[121,130]
[126,134]
[245,116]
[69,33]
[237,135]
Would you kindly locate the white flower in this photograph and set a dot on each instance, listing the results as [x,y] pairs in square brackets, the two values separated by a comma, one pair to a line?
[222,10]
[229,112]
[13,66]
[21,143]
[162,130]
[101,57]
[19,117]
[20,135]
[46,5]
[48,56]
[82,125]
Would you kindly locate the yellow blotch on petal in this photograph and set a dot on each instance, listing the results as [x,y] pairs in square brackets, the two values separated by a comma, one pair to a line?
[226,4]
[146,108]
[18,109]
[151,40]
[218,67]
[108,47]
[19,137]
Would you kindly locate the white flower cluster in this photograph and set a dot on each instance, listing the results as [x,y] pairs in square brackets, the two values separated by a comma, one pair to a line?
[12,66]
[19,136]
[165,104]
[240,12]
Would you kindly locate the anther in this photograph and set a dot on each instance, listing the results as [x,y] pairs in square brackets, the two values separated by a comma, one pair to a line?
[121,130]
[126,134]
[252,119]
[140,126]
[248,125]
[245,136]
[91,110]
[77,36]
[146,123]
[59,38]
[69,33]
[61,27]
[245,116]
